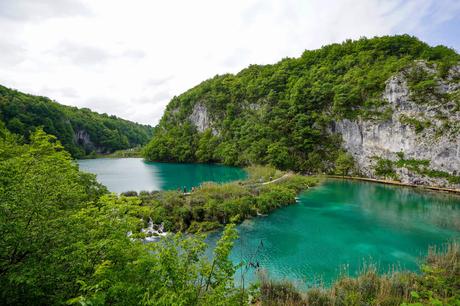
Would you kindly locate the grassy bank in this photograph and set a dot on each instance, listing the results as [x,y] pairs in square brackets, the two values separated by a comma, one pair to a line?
[438,284]
[212,205]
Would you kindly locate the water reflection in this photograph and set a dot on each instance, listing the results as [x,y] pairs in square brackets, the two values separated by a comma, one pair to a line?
[123,174]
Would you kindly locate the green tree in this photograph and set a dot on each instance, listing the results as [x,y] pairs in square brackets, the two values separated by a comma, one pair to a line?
[385,168]
[66,241]
[278,156]
[40,187]
[25,113]
[206,146]
[344,163]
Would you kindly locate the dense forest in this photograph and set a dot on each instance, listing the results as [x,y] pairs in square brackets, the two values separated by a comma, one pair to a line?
[82,132]
[281,114]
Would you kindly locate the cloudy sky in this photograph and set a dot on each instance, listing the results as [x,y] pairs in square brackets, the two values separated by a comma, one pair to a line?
[129,58]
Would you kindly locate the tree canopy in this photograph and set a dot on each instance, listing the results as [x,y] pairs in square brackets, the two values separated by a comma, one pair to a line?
[81,131]
[280,114]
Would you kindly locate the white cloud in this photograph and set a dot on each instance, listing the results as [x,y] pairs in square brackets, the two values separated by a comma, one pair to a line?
[129,58]
[26,10]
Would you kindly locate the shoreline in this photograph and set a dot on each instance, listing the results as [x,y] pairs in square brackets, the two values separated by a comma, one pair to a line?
[396,183]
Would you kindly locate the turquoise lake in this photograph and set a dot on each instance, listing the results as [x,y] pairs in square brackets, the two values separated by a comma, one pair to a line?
[345,225]
[335,226]
[126,174]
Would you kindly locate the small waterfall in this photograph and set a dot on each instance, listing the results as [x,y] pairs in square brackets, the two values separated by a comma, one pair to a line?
[153,232]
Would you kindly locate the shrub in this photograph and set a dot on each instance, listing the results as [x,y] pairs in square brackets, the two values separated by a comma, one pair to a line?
[384,167]
[129,193]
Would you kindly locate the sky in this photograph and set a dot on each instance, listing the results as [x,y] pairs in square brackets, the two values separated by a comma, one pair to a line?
[129,58]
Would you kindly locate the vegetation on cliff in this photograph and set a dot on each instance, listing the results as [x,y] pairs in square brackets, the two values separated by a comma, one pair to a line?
[81,131]
[387,168]
[280,114]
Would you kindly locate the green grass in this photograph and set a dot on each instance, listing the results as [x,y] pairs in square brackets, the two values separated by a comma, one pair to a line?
[258,172]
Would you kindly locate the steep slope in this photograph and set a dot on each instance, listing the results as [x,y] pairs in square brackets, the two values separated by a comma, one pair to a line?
[419,143]
[81,131]
[301,113]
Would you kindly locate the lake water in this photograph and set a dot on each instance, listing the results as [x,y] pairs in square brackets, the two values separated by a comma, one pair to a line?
[346,224]
[335,225]
[124,174]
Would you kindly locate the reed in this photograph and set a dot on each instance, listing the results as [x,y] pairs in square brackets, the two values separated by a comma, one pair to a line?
[437,284]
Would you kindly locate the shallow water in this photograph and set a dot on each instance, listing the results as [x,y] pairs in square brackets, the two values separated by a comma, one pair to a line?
[345,224]
[124,174]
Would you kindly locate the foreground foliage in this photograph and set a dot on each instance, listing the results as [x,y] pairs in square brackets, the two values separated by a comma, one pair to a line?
[64,240]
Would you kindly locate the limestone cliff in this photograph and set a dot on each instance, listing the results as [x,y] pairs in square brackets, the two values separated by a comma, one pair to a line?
[200,118]
[426,133]
[392,102]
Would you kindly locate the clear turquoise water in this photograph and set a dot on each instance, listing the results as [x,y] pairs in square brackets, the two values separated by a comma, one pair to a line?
[346,224]
[338,224]
[124,174]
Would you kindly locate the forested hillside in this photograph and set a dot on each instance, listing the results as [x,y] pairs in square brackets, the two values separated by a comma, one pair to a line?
[283,114]
[81,131]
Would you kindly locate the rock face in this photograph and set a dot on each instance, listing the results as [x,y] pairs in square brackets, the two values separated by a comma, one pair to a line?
[422,131]
[200,118]
[82,138]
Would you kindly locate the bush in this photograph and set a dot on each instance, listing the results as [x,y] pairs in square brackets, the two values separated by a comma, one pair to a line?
[273,197]
[202,227]
[385,168]
[129,193]
[212,204]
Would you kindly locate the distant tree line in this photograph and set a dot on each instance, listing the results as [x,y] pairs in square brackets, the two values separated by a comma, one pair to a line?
[23,113]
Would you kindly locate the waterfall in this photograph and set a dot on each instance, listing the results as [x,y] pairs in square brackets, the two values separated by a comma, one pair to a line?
[153,232]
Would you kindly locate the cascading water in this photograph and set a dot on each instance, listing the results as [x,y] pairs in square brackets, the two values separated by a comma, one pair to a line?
[153,232]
